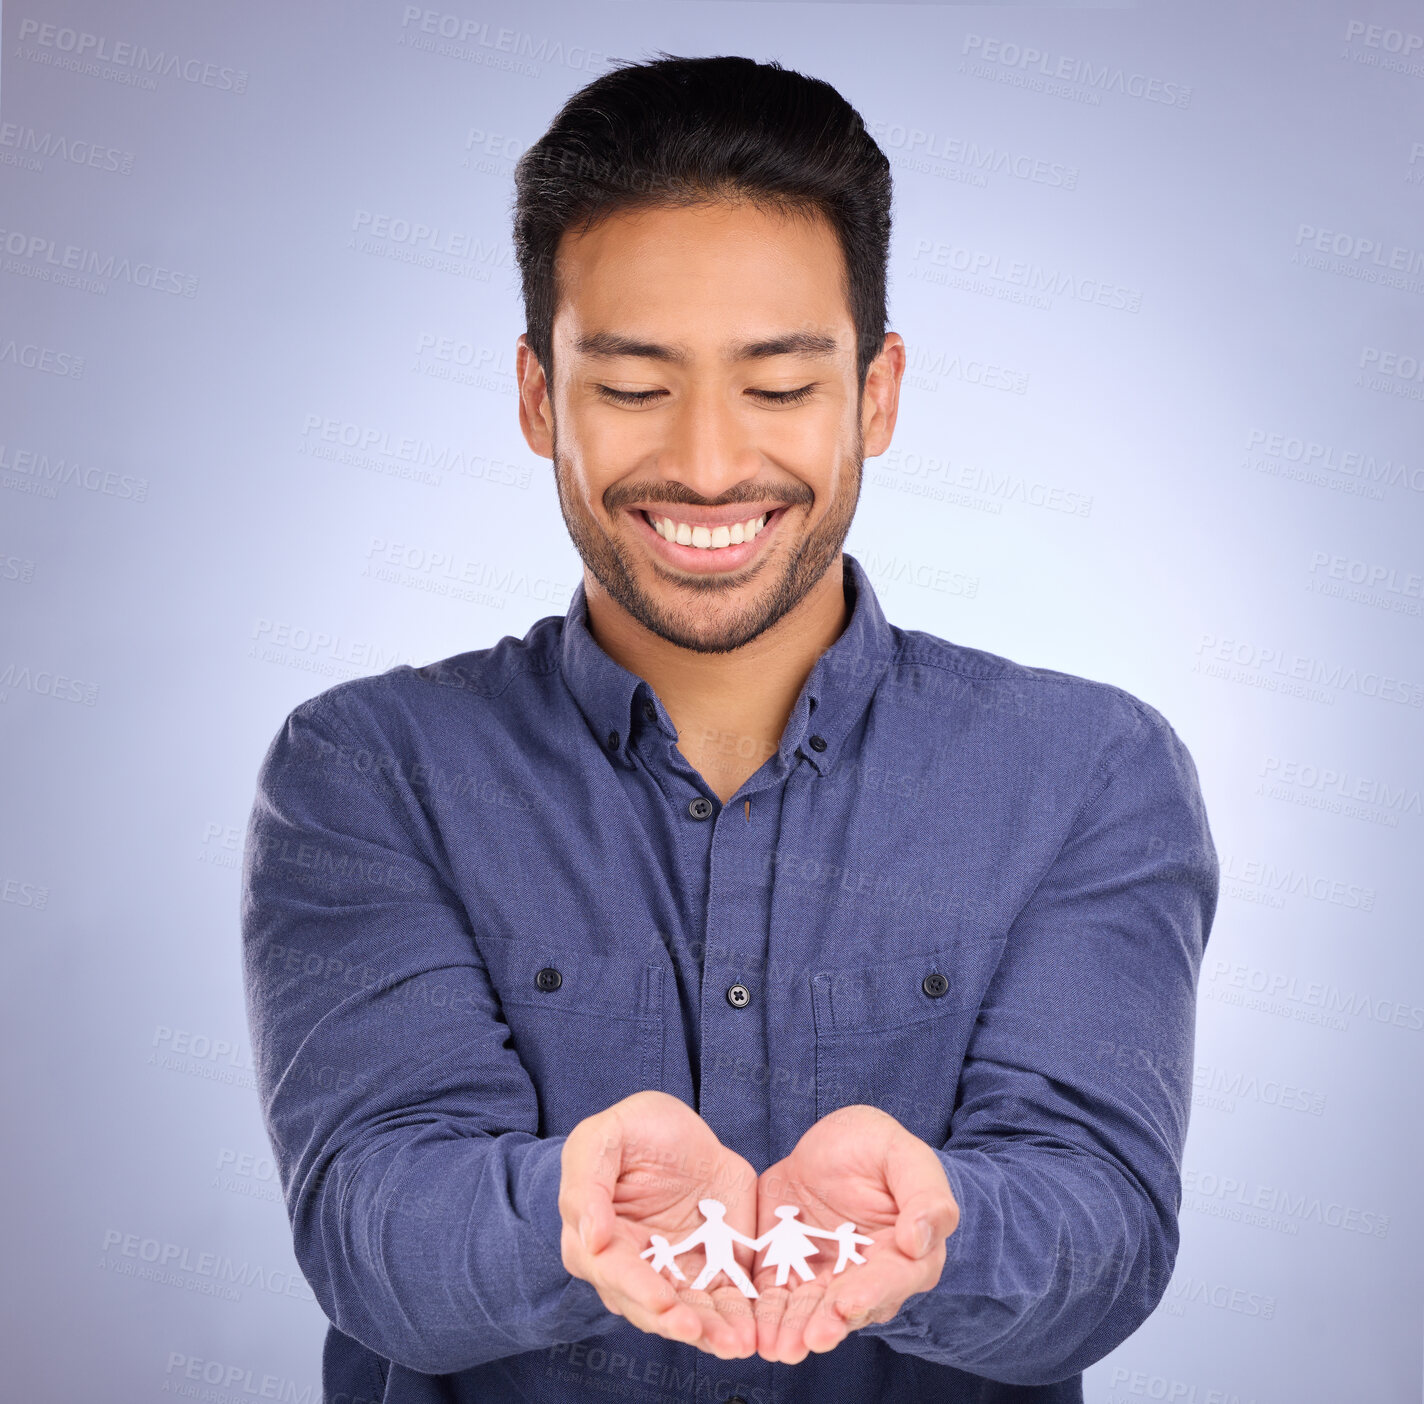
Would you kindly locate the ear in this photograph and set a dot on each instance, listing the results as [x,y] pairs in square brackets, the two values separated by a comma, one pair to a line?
[880,404]
[536,411]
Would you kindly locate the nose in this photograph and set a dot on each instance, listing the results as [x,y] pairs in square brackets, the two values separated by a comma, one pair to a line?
[708,447]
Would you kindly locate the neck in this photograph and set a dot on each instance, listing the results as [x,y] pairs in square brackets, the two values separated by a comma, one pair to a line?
[729,709]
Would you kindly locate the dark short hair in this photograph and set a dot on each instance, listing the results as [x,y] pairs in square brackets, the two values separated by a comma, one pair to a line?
[680,131]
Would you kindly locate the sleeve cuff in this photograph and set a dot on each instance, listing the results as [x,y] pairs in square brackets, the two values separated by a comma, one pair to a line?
[543,1174]
[954,1245]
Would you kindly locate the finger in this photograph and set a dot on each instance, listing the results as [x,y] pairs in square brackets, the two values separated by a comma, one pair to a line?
[805,1306]
[679,1322]
[719,1335]
[737,1322]
[871,1292]
[916,1178]
[769,1309]
[630,1286]
[715,1337]
[728,1325]
[832,1321]
[674,1319]
[924,1221]
[590,1163]
[712,1321]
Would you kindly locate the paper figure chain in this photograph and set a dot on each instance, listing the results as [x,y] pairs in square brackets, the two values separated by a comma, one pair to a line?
[789,1242]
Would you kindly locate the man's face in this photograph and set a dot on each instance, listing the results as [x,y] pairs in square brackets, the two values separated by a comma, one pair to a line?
[704,377]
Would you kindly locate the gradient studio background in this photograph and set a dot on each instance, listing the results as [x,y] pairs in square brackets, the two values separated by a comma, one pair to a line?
[1161,273]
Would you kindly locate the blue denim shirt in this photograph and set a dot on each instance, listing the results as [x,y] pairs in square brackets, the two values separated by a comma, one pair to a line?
[425,841]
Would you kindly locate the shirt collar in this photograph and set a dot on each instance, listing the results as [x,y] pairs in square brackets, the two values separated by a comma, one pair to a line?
[618,703]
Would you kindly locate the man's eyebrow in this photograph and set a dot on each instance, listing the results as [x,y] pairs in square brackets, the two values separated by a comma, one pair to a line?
[611,344]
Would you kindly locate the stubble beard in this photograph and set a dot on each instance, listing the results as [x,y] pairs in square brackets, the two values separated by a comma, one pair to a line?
[612,566]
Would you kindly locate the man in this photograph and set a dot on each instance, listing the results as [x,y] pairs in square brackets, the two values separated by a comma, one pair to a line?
[721,886]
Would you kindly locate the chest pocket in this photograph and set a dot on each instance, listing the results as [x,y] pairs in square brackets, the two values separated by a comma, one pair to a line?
[587,1027]
[892,1033]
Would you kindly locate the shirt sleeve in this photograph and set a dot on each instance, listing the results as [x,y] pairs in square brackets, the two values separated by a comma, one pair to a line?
[423,1205]
[1066,1142]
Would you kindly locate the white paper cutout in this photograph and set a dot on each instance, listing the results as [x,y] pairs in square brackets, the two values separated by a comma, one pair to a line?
[789,1241]
[662,1257]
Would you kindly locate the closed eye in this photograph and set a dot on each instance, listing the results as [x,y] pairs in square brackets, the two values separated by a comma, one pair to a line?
[627,397]
[643,397]
[787,397]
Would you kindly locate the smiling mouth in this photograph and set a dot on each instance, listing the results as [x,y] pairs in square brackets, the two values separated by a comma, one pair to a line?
[696,546]
[707,538]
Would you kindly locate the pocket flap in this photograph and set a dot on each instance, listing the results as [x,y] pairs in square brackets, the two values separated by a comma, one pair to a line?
[886,994]
[613,986]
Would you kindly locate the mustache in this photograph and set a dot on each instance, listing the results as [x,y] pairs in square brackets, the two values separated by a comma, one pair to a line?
[676,495]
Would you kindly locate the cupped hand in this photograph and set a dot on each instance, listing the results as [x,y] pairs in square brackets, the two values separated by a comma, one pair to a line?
[857,1164]
[637,1169]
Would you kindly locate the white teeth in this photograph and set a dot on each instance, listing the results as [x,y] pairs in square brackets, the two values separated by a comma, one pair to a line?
[706,539]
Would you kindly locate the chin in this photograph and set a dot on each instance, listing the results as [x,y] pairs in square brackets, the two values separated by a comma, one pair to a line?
[713,628]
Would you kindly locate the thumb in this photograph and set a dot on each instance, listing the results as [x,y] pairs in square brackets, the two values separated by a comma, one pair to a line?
[596,1222]
[591,1161]
[927,1217]
[917,1181]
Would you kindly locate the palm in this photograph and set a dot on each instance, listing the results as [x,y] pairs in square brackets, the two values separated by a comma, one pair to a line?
[831,1187]
[836,1173]
[648,1199]
[672,1163]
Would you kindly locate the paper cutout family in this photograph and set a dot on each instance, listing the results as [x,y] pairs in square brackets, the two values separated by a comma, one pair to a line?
[789,1242]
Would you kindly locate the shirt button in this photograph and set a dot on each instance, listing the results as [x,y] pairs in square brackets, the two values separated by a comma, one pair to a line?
[548,979]
[650,712]
[612,740]
[738,996]
[700,808]
[934,985]
[818,743]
